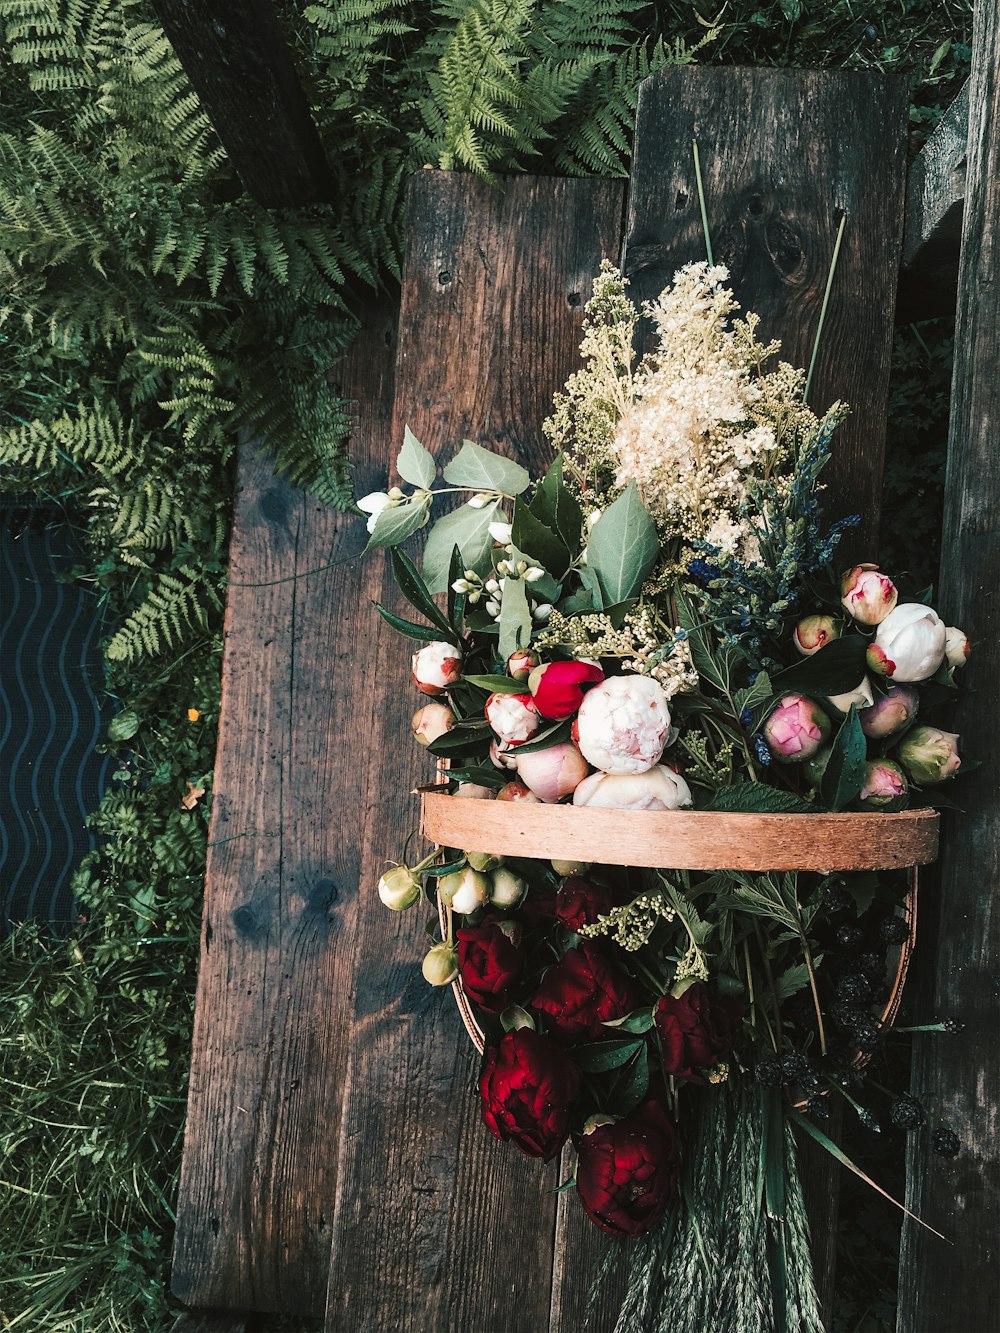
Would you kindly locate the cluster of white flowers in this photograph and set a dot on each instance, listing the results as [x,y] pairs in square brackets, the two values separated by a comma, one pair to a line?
[641,643]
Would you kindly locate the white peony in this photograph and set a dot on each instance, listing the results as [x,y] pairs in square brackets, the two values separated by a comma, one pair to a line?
[513,717]
[623,724]
[909,643]
[436,667]
[659,788]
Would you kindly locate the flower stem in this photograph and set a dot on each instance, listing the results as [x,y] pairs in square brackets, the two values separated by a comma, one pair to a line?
[701,202]
[823,308]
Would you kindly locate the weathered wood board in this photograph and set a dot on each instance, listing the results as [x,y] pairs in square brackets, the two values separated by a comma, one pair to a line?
[274,989]
[953,1286]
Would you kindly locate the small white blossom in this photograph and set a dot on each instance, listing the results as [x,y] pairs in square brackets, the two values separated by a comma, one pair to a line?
[501,532]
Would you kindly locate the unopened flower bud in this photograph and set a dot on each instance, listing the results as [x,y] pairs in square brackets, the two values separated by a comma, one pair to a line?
[658,788]
[570,867]
[483,861]
[956,646]
[541,613]
[929,755]
[554,772]
[890,713]
[503,755]
[431,722]
[884,785]
[860,697]
[472,791]
[436,667]
[814,633]
[521,664]
[481,500]
[501,532]
[506,888]
[399,888]
[517,791]
[440,965]
[464,890]
[513,717]
[514,1018]
[373,505]
[796,729]
[868,595]
[909,643]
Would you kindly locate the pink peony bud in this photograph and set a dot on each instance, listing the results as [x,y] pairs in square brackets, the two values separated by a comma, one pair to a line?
[814,633]
[884,785]
[558,687]
[512,717]
[956,646]
[868,595]
[517,791]
[929,755]
[623,724]
[890,713]
[909,644]
[658,788]
[436,667]
[503,755]
[554,772]
[521,664]
[431,722]
[796,729]
[464,890]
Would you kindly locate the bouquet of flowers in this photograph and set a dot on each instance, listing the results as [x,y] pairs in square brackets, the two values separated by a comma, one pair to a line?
[658,624]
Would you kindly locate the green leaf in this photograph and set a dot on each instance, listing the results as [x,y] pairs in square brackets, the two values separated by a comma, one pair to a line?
[598,1056]
[515,618]
[459,740]
[792,980]
[539,543]
[414,463]
[124,726]
[407,627]
[482,470]
[845,773]
[551,736]
[413,588]
[482,774]
[456,600]
[639,1021]
[467,528]
[498,684]
[577,603]
[835,669]
[553,505]
[757,693]
[397,522]
[759,799]
[633,1083]
[623,548]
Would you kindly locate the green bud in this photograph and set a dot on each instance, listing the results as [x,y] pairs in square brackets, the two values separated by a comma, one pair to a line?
[399,888]
[464,891]
[440,965]
[483,860]
[570,867]
[506,888]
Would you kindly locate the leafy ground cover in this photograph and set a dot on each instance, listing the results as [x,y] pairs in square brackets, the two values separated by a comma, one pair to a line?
[150,310]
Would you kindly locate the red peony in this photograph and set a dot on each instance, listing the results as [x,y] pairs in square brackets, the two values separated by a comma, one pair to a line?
[528,1087]
[558,687]
[696,1030]
[489,963]
[580,902]
[627,1172]
[582,992]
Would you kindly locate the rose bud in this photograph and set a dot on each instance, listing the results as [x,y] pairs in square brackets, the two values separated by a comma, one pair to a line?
[890,713]
[860,697]
[626,1175]
[623,724]
[696,1030]
[464,890]
[503,755]
[483,861]
[814,633]
[558,688]
[884,785]
[582,992]
[570,867]
[506,888]
[431,722]
[399,888]
[796,729]
[489,963]
[554,772]
[956,646]
[929,755]
[512,717]
[580,902]
[436,667]
[528,1087]
[868,595]
[517,791]
[521,664]
[440,965]
[815,767]
[909,644]
[659,788]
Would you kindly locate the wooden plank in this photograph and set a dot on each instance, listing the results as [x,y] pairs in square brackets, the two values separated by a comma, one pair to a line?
[259,1170]
[242,70]
[205,1321]
[935,200]
[954,1286]
[784,154]
[437,1226]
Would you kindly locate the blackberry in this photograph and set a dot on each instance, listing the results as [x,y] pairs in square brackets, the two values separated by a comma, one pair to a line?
[835,899]
[866,1035]
[810,1082]
[846,1015]
[945,1142]
[872,967]
[849,937]
[767,1071]
[907,1113]
[794,1067]
[819,1107]
[853,988]
[894,930]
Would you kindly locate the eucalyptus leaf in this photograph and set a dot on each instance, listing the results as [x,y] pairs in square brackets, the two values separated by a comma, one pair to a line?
[845,772]
[515,618]
[482,470]
[468,528]
[414,463]
[397,522]
[623,548]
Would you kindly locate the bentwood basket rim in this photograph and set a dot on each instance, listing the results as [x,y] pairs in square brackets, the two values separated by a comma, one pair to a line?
[682,839]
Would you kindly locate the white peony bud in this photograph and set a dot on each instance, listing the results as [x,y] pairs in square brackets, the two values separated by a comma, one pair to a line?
[658,788]
[399,888]
[552,773]
[472,791]
[814,633]
[861,697]
[431,722]
[503,755]
[623,724]
[506,888]
[440,965]
[513,717]
[436,667]
[909,643]
[956,646]
[464,890]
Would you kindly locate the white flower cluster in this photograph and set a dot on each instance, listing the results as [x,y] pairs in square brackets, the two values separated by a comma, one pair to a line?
[640,643]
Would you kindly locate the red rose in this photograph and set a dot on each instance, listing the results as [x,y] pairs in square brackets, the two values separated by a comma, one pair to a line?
[696,1030]
[557,688]
[582,992]
[627,1172]
[489,963]
[538,907]
[580,902]
[528,1087]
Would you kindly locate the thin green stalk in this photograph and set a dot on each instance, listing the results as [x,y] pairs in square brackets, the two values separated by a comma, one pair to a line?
[823,308]
[701,202]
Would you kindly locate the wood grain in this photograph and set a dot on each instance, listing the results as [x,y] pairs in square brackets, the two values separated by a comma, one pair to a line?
[242,71]
[439,1228]
[204,1321]
[784,154]
[682,839]
[259,1170]
[954,1286]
